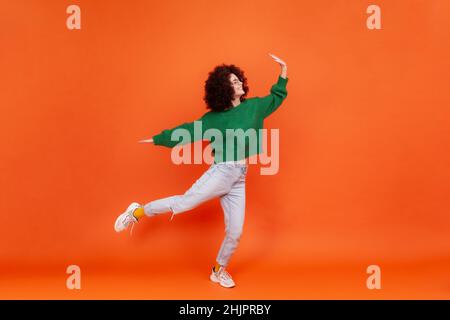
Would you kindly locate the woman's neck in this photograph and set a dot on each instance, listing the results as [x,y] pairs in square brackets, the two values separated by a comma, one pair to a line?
[236,102]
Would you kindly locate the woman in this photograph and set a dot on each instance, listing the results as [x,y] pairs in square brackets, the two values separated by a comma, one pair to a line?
[225,91]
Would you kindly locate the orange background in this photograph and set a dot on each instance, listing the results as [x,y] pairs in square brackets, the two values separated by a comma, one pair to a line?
[364,148]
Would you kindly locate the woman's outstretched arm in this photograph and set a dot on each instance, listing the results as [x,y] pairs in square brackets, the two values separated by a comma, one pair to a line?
[182,134]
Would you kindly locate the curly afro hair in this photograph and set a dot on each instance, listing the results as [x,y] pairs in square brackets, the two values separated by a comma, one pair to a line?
[219,90]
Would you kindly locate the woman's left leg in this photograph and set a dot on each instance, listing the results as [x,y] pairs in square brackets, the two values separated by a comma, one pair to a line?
[233,205]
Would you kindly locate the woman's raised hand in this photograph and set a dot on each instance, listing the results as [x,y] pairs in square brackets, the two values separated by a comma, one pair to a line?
[282,64]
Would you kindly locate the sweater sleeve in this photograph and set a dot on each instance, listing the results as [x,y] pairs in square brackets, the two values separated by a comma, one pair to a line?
[268,104]
[182,134]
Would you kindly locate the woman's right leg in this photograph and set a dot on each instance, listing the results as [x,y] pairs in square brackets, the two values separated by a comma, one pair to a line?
[215,182]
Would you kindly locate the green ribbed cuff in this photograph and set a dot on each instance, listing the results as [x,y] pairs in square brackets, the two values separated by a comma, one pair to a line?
[282,81]
[157,139]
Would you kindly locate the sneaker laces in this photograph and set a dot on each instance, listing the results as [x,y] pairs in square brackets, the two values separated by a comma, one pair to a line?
[130,219]
[225,275]
[132,226]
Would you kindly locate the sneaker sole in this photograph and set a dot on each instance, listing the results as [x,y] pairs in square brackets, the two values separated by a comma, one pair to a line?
[116,224]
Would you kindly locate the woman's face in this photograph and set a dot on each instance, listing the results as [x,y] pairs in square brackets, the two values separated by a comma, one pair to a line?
[237,85]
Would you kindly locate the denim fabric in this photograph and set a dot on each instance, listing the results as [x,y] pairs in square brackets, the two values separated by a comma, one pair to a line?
[225,180]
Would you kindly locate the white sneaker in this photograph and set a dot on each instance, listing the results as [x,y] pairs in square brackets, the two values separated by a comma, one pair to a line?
[222,277]
[126,218]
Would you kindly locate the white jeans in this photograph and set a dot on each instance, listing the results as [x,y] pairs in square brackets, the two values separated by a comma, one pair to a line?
[225,180]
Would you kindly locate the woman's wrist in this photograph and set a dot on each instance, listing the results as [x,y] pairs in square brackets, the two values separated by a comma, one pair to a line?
[283,72]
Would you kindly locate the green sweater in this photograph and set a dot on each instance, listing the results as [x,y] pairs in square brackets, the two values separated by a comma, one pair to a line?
[234,133]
